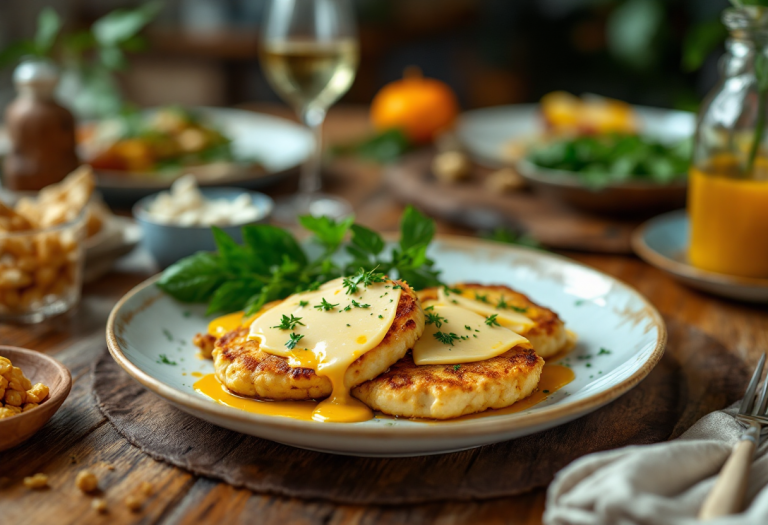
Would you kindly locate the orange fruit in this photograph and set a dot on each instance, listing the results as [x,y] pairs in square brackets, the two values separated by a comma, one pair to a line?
[421,107]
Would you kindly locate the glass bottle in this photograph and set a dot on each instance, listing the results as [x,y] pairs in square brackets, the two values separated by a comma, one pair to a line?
[41,132]
[728,180]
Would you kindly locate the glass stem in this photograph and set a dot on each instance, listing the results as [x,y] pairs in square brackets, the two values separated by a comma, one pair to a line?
[310,181]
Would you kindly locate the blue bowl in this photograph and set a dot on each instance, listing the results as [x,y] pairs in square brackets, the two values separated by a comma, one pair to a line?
[169,242]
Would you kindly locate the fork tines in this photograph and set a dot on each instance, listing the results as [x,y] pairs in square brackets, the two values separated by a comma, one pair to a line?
[748,405]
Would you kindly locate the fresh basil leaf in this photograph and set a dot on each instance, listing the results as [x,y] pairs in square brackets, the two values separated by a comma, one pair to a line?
[194,278]
[122,24]
[271,244]
[328,232]
[232,295]
[420,278]
[415,229]
[48,26]
[366,240]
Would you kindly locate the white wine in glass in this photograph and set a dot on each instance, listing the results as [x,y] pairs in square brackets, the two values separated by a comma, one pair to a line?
[309,54]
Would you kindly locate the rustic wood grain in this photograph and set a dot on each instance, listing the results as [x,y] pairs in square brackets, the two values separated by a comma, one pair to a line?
[469,203]
[666,401]
[78,431]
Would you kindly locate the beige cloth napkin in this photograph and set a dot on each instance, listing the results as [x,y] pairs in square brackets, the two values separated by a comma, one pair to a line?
[660,484]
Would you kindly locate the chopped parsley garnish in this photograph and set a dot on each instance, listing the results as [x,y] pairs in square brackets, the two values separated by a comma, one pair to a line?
[481,298]
[448,290]
[348,324]
[435,319]
[303,303]
[491,320]
[468,327]
[292,340]
[358,305]
[168,334]
[429,308]
[583,357]
[289,323]
[163,359]
[579,302]
[447,339]
[345,309]
[325,305]
[545,391]
[362,278]
[604,351]
[518,309]
[456,367]
[589,365]
[396,287]
[502,304]
[381,317]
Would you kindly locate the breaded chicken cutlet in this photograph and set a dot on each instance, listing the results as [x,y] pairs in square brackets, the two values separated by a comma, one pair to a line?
[246,370]
[450,391]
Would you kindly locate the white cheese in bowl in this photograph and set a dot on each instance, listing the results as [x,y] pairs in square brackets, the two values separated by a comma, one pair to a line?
[185,205]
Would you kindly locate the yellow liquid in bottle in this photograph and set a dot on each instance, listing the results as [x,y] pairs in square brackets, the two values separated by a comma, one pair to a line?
[729,219]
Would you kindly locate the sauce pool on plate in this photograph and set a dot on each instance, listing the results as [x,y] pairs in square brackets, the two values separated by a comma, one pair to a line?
[553,378]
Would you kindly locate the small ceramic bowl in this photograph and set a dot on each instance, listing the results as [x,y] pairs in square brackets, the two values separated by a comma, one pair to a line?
[170,242]
[620,199]
[39,368]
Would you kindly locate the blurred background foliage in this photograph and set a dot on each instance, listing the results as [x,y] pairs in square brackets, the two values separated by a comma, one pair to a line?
[653,52]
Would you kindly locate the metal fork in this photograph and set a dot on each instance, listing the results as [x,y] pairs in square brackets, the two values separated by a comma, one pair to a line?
[727,496]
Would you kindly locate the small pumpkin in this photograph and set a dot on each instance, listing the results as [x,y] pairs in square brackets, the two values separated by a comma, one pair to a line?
[421,107]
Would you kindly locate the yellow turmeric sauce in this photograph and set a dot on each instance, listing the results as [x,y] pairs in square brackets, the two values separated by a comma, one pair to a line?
[553,378]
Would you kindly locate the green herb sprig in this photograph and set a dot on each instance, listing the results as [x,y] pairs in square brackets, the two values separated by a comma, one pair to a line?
[293,339]
[325,305]
[289,323]
[446,338]
[271,264]
[435,319]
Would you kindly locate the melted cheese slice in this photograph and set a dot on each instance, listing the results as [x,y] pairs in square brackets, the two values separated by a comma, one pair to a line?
[331,340]
[507,317]
[474,341]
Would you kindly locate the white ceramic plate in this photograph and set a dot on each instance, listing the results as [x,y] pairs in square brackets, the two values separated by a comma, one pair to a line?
[486,132]
[279,145]
[663,242]
[603,311]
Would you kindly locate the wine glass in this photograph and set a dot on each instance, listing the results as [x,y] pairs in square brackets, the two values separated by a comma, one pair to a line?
[309,53]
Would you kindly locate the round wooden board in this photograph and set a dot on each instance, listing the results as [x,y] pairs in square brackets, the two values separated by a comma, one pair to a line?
[696,376]
[469,203]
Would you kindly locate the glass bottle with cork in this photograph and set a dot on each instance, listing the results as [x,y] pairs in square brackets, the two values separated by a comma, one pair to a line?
[41,132]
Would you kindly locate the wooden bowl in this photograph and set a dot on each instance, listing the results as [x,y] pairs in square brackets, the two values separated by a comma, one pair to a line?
[39,368]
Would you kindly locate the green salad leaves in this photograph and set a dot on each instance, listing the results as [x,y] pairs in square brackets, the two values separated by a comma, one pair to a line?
[604,159]
[271,264]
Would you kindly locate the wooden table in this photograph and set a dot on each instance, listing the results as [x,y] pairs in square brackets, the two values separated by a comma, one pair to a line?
[80,437]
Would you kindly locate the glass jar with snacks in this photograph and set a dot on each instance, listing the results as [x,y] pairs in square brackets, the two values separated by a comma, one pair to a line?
[41,250]
[728,179]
